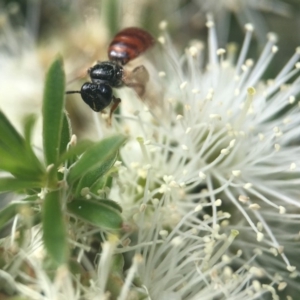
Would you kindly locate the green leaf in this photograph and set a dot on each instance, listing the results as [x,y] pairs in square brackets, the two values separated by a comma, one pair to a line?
[54,228]
[96,213]
[66,133]
[29,123]
[25,165]
[90,178]
[53,106]
[8,184]
[95,156]
[113,204]
[32,198]
[101,184]
[9,135]
[74,151]
[16,156]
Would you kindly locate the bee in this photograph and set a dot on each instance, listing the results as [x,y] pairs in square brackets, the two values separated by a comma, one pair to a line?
[126,45]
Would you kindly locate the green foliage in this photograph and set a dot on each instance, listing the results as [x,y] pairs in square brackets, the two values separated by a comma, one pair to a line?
[95,163]
[100,156]
[52,188]
[97,213]
[17,157]
[53,106]
[54,230]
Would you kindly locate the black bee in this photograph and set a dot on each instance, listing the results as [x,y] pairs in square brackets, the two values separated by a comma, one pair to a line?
[125,46]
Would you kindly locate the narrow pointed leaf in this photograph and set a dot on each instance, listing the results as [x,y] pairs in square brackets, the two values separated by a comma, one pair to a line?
[23,169]
[66,132]
[113,204]
[96,156]
[16,156]
[8,184]
[90,178]
[54,228]
[31,199]
[31,159]
[29,123]
[8,134]
[25,165]
[74,151]
[53,106]
[100,184]
[96,213]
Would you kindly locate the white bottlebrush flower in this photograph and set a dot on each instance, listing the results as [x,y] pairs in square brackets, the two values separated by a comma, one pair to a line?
[181,263]
[243,6]
[245,11]
[223,139]
[35,279]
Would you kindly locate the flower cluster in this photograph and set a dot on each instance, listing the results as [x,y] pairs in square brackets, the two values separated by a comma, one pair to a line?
[221,143]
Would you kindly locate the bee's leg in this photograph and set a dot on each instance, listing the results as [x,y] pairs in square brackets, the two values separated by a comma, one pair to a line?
[116,102]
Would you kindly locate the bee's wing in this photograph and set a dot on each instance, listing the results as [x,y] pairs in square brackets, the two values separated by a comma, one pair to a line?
[145,83]
[137,79]
[78,75]
[81,72]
